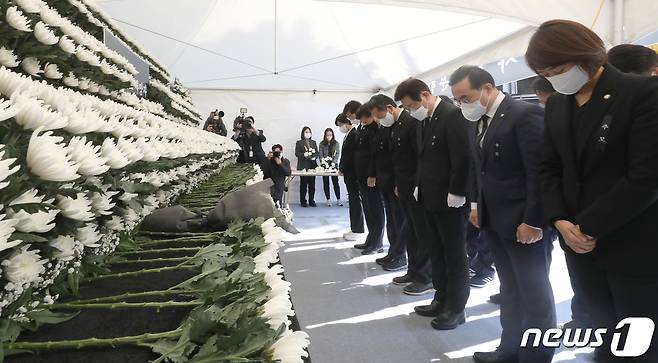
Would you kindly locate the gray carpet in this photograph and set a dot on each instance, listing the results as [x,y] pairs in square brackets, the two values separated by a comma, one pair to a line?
[353,314]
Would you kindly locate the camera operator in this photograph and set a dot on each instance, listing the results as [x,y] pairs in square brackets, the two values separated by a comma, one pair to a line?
[214,123]
[250,140]
[277,169]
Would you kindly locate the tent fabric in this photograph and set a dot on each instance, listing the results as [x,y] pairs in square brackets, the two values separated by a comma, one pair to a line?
[352,45]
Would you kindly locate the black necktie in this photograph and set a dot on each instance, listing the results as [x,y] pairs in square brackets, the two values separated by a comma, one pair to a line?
[482,125]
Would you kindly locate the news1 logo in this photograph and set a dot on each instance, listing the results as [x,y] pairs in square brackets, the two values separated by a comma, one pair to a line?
[631,338]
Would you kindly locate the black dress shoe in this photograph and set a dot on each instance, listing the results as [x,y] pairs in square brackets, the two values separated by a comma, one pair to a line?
[448,321]
[403,280]
[383,260]
[361,246]
[493,357]
[396,264]
[495,299]
[431,310]
[372,250]
[418,288]
[304,205]
[312,204]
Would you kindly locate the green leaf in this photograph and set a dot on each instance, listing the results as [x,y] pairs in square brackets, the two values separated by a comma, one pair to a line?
[9,330]
[28,237]
[40,317]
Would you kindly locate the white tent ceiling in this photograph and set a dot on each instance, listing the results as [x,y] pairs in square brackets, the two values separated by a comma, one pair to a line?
[350,45]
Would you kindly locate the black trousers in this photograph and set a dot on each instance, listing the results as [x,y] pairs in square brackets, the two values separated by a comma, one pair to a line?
[418,257]
[480,257]
[334,180]
[307,183]
[611,296]
[526,294]
[447,247]
[373,210]
[277,191]
[355,205]
[394,223]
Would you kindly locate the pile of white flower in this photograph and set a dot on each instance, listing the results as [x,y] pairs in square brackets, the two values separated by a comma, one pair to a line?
[291,345]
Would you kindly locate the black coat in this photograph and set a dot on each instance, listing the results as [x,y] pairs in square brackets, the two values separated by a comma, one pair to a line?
[278,174]
[384,160]
[251,146]
[445,157]
[364,156]
[404,152]
[609,186]
[347,155]
[302,147]
[507,168]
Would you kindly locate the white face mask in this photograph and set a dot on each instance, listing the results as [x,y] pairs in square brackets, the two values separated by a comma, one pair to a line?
[216,117]
[569,82]
[475,110]
[420,114]
[343,129]
[307,135]
[387,121]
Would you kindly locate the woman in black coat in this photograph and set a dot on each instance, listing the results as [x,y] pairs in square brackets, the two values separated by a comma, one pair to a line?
[306,151]
[600,180]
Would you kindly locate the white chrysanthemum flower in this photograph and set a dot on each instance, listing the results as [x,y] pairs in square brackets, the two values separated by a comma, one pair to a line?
[34,115]
[70,80]
[65,246]
[105,67]
[277,310]
[30,6]
[31,65]
[83,83]
[126,197]
[115,224]
[87,56]
[290,347]
[23,266]
[29,197]
[6,168]
[51,17]
[67,45]
[93,87]
[8,58]
[130,150]
[49,159]
[44,35]
[116,158]
[102,203]
[78,208]
[6,229]
[52,71]
[88,235]
[83,122]
[39,222]
[17,20]
[88,156]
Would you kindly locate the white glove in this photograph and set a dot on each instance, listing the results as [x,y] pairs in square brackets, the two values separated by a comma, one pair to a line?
[456,201]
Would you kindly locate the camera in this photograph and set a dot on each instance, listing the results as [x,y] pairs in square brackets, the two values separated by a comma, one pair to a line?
[276,154]
[246,124]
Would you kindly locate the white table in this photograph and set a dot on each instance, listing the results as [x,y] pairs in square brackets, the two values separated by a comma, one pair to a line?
[300,173]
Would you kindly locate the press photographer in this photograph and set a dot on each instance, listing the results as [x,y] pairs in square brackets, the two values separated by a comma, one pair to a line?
[250,140]
[277,169]
[214,123]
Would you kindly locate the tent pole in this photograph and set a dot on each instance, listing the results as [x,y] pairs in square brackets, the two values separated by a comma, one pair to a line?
[618,22]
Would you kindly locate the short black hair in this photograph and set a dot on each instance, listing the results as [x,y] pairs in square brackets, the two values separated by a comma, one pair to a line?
[411,88]
[363,111]
[541,84]
[477,76]
[342,119]
[380,102]
[633,58]
[351,107]
[277,146]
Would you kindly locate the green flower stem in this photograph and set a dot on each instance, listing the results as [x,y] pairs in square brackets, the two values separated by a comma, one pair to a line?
[151,233]
[126,305]
[140,272]
[153,260]
[140,252]
[95,342]
[159,242]
[203,237]
[133,295]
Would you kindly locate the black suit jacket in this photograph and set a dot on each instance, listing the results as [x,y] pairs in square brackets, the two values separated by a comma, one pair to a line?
[507,168]
[609,186]
[346,165]
[384,160]
[404,152]
[364,156]
[303,162]
[445,157]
